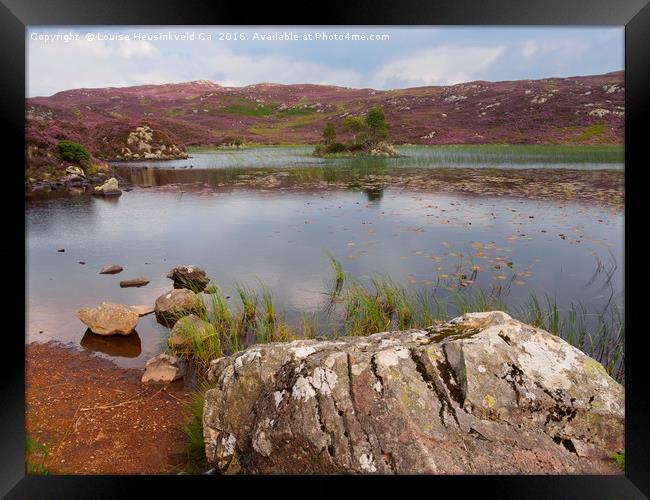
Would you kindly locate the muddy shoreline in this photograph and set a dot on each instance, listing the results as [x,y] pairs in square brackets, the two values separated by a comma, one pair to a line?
[604,188]
[99,418]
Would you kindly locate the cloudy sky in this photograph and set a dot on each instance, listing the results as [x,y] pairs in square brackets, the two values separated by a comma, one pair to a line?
[410,57]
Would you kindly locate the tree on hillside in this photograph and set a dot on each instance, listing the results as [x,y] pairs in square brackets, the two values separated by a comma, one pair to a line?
[376,122]
[356,125]
[329,134]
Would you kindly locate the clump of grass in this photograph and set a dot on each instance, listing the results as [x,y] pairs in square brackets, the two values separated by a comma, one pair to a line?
[249,302]
[193,430]
[339,278]
[309,325]
[339,273]
[269,308]
[220,309]
[365,312]
[36,454]
[619,458]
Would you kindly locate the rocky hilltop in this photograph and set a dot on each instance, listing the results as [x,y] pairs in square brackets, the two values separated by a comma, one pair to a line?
[583,110]
[481,394]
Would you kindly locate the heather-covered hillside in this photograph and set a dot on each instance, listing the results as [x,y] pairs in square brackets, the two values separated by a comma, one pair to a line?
[576,110]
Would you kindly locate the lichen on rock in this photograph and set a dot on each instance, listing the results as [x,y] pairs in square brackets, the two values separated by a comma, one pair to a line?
[481,394]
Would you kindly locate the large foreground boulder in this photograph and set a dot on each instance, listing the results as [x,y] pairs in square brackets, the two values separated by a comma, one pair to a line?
[481,394]
[109,319]
[176,303]
[190,277]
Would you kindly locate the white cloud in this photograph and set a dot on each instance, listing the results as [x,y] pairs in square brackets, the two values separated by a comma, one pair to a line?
[57,66]
[442,65]
[52,67]
[246,70]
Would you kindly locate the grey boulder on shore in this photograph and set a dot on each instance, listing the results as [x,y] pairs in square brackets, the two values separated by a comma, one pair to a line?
[481,394]
[109,319]
[163,368]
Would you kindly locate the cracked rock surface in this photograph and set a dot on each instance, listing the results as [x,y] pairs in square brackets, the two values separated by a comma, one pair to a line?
[481,394]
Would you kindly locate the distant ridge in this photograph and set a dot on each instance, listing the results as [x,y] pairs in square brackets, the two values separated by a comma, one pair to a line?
[572,110]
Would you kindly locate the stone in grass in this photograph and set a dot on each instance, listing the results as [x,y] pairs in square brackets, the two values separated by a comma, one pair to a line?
[135,282]
[190,277]
[112,269]
[163,368]
[179,301]
[109,319]
[190,329]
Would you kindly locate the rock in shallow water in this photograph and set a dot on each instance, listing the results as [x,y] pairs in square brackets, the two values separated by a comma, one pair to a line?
[112,269]
[482,394]
[108,188]
[190,277]
[179,301]
[109,319]
[135,282]
[163,368]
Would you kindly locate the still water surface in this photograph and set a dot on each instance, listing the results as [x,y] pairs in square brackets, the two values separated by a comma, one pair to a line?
[282,239]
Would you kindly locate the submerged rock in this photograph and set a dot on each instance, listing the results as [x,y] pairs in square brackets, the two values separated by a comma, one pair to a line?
[190,277]
[189,329]
[112,269]
[143,309]
[109,319]
[163,368]
[481,394]
[179,301]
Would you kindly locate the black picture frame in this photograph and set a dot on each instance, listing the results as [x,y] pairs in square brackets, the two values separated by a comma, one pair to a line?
[16,15]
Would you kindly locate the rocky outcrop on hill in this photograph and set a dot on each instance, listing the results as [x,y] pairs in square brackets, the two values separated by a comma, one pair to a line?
[118,122]
[147,144]
[481,394]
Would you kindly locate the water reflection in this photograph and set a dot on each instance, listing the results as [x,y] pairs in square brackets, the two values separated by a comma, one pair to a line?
[374,194]
[125,346]
[282,239]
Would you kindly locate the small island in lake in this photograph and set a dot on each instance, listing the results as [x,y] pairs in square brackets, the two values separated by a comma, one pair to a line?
[369,137]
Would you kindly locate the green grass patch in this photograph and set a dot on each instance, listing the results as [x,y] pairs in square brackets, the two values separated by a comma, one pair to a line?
[193,429]
[37,454]
[296,111]
[590,132]
[619,458]
[243,110]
